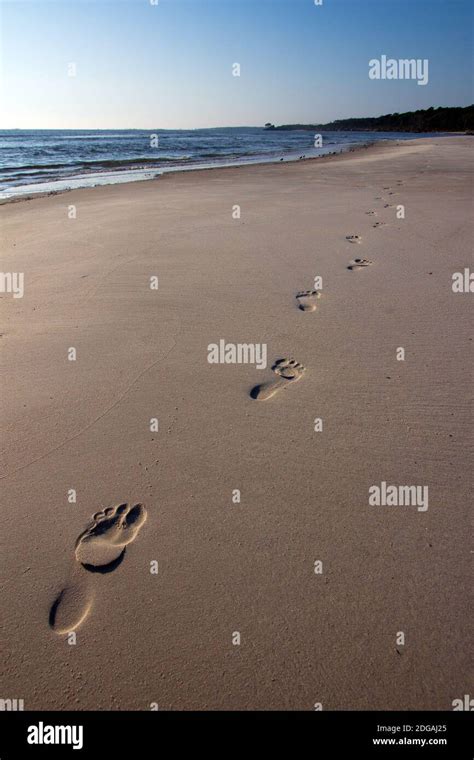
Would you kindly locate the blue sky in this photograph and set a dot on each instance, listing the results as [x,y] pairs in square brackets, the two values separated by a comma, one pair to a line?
[170,65]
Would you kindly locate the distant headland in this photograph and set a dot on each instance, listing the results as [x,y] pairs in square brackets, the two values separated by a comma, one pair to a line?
[428,120]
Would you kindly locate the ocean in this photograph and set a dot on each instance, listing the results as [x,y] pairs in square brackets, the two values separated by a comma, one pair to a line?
[53,160]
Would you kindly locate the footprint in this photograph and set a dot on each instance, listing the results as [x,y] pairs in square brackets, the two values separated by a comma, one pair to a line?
[371,213]
[353,238]
[107,535]
[100,548]
[307,299]
[72,606]
[288,371]
[379,224]
[359,263]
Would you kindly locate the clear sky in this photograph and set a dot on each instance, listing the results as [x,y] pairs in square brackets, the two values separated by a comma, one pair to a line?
[169,65]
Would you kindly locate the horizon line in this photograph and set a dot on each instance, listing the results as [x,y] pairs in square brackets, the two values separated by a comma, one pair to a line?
[227,126]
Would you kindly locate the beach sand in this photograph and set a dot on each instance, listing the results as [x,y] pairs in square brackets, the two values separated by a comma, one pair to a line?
[306,637]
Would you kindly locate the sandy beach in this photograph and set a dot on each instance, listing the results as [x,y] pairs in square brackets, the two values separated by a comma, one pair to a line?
[157,594]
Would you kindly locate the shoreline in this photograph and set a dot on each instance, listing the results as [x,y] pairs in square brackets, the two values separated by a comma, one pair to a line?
[324,158]
[198,168]
[160,172]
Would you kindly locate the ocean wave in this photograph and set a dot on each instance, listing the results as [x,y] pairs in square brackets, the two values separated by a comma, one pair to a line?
[112,163]
[110,136]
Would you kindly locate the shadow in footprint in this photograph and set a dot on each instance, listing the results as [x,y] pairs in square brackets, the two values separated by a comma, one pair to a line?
[105,568]
[52,612]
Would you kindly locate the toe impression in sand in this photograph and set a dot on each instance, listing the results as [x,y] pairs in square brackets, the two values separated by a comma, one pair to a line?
[288,371]
[99,549]
[353,238]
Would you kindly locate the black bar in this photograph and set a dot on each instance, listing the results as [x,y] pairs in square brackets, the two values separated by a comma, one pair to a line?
[324,734]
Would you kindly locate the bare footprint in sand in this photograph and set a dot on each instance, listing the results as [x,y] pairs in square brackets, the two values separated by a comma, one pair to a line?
[371,213]
[107,535]
[353,238]
[307,299]
[359,264]
[288,371]
[379,224]
[100,548]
